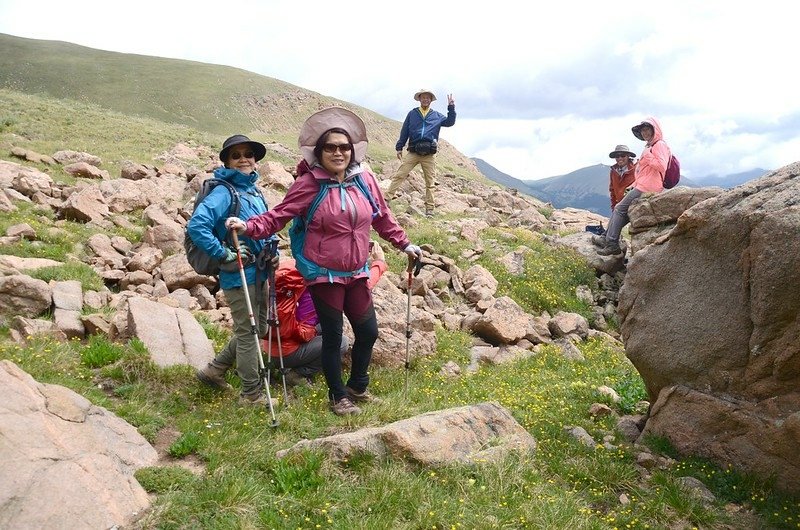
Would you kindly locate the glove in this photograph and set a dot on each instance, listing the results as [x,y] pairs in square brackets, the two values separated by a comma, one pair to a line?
[414,254]
[413,251]
[234,223]
[230,264]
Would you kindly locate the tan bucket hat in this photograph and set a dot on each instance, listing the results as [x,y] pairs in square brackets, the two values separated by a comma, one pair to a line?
[621,150]
[424,91]
[332,118]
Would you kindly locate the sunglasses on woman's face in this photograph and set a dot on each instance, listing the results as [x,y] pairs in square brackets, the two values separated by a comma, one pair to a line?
[237,156]
[331,148]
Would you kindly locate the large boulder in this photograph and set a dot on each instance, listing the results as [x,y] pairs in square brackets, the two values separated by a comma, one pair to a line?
[711,305]
[64,462]
[171,334]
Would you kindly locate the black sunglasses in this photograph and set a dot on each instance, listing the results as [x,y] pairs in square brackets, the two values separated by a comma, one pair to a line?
[237,156]
[331,148]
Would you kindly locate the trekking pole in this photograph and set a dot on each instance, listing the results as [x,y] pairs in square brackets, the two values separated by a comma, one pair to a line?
[272,317]
[414,266]
[262,372]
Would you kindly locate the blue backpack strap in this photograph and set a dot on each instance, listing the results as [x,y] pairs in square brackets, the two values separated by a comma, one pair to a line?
[376,210]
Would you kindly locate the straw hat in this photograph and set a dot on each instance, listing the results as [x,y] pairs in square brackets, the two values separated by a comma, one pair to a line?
[424,91]
[332,118]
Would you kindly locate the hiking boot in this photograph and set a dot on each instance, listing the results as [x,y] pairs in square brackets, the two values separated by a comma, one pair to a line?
[361,397]
[599,241]
[295,379]
[611,248]
[428,212]
[344,407]
[256,398]
[214,377]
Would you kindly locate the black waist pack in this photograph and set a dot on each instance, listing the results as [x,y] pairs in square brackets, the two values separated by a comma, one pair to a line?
[424,147]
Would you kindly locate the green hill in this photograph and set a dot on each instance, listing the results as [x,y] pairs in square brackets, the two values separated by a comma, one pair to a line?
[219,100]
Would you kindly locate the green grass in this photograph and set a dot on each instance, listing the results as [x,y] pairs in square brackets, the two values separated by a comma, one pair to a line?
[563,484]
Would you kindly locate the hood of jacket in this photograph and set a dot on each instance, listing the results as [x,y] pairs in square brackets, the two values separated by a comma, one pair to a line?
[657,134]
[236,177]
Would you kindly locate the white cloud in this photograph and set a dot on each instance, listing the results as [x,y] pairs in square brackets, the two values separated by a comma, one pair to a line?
[541,89]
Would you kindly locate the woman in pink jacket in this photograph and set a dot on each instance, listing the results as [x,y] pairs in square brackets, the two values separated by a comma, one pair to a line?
[649,178]
[333,142]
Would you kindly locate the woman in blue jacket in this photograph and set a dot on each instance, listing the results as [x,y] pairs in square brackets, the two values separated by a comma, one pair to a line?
[207,229]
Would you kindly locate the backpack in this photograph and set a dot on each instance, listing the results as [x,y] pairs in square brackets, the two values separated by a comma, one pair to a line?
[201,262]
[297,231]
[673,173]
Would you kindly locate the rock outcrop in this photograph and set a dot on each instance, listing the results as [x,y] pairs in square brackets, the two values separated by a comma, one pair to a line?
[710,318]
[475,433]
[64,462]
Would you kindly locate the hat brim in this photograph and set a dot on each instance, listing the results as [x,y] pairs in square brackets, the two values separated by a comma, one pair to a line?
[259,150]
[327,119]
[614,154]
[418,94]
[637,130]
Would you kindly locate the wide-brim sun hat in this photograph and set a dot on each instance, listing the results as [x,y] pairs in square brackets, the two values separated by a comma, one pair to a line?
[637,129]
[424,91]
[332,118]
[621,149]
[238,139]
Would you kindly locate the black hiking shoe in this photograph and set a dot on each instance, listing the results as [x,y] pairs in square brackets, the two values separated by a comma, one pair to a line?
[611,249]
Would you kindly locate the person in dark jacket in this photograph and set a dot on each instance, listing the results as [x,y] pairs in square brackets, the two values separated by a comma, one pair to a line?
[421,132]
[334,142]
[207,229]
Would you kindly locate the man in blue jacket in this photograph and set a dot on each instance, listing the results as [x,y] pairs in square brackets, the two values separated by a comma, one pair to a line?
[207,229]
[421,132]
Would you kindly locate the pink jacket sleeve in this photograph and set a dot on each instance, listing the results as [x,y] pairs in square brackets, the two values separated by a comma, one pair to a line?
[376,270]
[385,224]
[299,196]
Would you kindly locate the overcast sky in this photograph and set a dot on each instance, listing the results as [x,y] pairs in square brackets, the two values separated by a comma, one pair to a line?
[541,88]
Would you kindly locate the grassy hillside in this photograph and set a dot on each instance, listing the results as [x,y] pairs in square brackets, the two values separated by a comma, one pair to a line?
[219,100]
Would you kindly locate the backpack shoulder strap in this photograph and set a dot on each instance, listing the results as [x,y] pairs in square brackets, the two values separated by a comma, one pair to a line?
[324,188]
[236,203]
[376,210]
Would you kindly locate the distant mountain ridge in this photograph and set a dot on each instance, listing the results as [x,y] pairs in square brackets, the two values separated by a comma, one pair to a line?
[587,188]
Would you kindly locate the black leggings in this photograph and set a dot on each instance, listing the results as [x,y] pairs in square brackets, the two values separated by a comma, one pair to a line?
[332,301]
